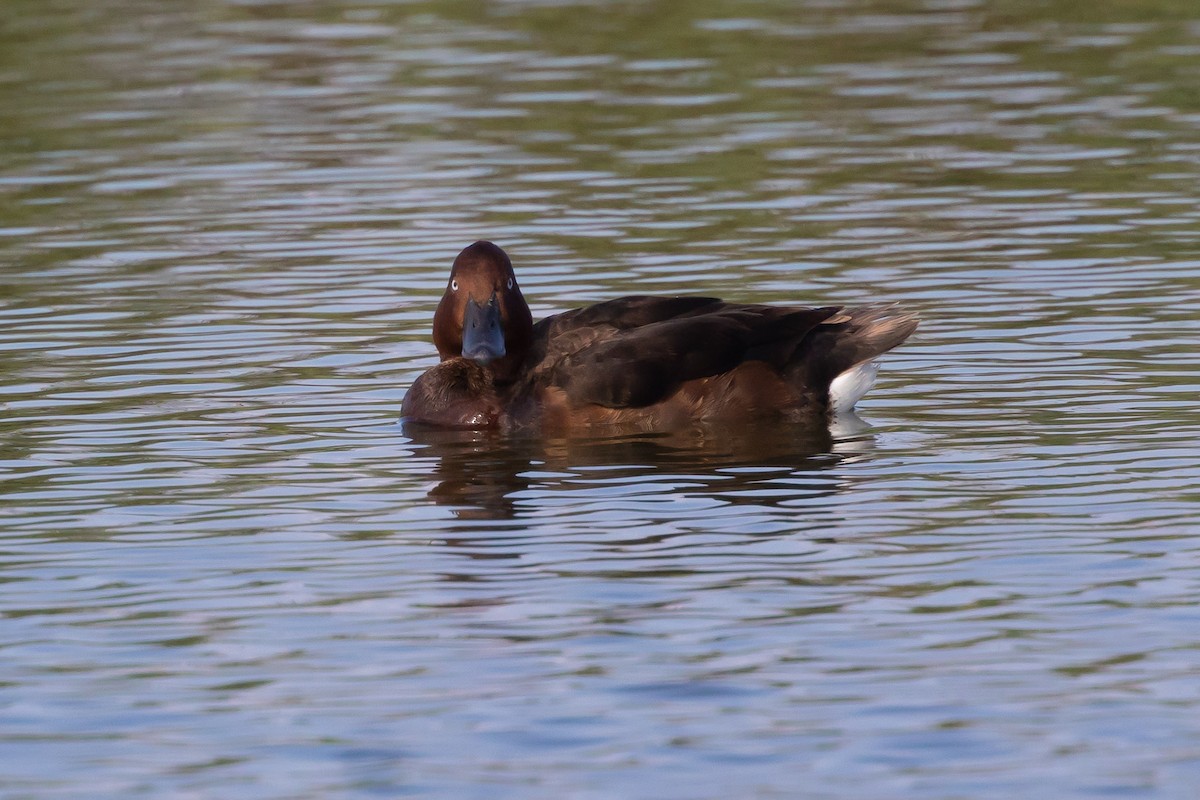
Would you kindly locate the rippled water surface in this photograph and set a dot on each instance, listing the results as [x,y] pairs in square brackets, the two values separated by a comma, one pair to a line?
[226,570]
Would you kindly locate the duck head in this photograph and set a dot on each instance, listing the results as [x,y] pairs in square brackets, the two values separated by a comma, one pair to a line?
[483,316]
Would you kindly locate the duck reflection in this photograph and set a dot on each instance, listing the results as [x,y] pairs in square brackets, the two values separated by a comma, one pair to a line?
[487,475]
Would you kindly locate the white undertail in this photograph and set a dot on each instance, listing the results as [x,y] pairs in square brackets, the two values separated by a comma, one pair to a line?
[849,387]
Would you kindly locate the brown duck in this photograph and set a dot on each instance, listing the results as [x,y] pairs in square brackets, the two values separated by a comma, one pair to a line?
[650,363]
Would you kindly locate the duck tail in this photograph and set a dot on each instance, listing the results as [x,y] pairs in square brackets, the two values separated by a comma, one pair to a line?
[837,358]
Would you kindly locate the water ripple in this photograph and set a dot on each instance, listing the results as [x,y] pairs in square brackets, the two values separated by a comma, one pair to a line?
[227,568]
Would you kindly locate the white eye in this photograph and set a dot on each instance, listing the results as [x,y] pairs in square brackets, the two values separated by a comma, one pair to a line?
[510,283]
[454,285]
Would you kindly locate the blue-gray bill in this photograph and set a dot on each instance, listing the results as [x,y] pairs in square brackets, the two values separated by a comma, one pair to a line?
[483,335]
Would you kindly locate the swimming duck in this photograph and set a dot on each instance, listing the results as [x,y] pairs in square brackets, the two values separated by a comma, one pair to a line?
[653,363]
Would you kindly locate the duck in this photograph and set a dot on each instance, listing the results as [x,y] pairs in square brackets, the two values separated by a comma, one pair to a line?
[650,363]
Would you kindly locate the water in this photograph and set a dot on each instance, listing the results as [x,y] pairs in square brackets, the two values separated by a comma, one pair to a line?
[228,571]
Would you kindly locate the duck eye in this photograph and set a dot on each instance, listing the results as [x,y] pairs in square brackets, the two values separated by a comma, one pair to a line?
[454,285]
[510,283]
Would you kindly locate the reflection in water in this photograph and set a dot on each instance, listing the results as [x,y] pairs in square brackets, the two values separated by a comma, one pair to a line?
[477,472]
[481,473]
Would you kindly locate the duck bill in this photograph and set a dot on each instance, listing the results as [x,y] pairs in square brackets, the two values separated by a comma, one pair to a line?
[483,337]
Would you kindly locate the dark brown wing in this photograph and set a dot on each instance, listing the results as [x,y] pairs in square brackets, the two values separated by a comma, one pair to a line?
[640,364]
[561,335]
[623,313]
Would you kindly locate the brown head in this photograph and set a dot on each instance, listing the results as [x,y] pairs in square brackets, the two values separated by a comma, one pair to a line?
[483,298]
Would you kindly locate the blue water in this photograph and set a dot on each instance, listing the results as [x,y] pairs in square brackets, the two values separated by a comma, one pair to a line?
[226,570]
